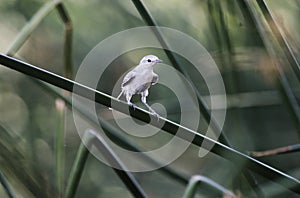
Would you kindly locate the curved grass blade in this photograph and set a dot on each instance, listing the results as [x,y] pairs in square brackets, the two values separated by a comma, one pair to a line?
[197,179]
[91,138]
[68,39]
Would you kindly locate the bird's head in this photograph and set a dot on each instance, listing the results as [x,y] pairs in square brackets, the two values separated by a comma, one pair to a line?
[150,60]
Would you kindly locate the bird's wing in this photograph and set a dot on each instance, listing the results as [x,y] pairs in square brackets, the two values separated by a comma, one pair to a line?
[154,79]
[128,77]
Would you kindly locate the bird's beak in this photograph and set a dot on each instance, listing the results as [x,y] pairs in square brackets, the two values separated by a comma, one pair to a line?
[158,61]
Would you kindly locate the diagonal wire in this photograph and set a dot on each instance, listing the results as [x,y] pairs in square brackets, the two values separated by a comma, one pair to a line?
[91,138]
[113,132]
[171,127]
[68,25]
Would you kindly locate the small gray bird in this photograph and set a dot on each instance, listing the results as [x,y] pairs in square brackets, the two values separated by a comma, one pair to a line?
[139,80]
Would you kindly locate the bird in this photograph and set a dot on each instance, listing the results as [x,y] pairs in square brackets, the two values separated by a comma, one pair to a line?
[139,79]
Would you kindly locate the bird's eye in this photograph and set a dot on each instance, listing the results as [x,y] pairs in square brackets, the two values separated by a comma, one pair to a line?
[149,60]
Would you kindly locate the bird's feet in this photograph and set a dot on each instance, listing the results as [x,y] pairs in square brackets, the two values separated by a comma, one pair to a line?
[150,109]
[132,105]
[154,113]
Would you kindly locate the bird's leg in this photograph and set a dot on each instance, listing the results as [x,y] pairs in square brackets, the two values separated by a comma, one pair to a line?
[144,95]
[118,98]
[120,95]
[128,98]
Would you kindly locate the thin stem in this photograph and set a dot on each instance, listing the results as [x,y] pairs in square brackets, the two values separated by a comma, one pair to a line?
[78,166]
[60,131]
[276,151]
[68,39]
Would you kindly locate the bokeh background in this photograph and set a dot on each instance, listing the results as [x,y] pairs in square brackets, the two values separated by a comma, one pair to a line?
[259,114]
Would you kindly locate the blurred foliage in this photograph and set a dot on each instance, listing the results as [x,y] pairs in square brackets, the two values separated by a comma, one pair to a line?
[258,117]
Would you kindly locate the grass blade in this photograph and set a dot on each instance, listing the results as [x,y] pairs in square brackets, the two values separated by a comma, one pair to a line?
[78,166]
[6,186]
[60,131]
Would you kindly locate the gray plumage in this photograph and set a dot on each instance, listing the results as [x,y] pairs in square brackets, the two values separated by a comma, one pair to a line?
[139,80]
